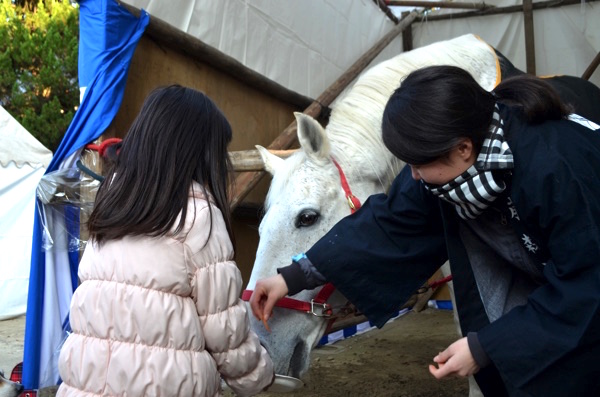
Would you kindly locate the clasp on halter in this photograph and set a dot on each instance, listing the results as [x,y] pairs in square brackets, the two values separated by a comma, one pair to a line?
[320,309]
[350,203]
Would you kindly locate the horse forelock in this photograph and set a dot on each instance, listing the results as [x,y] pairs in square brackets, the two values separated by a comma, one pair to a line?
[281,177]
[306,173]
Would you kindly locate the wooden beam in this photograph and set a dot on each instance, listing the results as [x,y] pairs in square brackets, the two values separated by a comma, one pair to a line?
[529,39]
[439,4]
[244,182]
[387,11]
[249,211]
[168,36]
[407,37]
[590,69]
[250,160]
[500,10]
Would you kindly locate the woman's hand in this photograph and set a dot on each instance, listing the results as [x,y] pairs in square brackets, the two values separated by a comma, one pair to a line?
[266,294]
[455,360]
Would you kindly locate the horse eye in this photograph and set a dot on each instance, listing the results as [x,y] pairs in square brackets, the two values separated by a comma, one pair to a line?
[307,218]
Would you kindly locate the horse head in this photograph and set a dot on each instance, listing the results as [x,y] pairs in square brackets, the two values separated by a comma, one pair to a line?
[304,201]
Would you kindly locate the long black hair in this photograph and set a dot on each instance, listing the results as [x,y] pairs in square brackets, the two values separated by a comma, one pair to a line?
[437,106]
[178,137]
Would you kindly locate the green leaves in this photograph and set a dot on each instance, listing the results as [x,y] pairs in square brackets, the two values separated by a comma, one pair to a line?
[38,65]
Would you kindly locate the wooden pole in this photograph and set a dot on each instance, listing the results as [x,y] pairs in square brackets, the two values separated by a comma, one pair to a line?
[407,37]
[529,39]
[250,160]
[501,10]
[244,182]
[439,4]
[387,11]
[590,69]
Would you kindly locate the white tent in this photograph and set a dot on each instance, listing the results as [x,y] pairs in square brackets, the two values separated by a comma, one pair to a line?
[23,160]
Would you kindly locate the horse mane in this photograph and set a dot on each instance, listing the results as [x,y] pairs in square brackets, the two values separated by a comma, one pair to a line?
[354,127]
[284,174]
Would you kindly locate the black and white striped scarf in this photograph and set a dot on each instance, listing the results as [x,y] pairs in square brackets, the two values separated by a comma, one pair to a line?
[475,189]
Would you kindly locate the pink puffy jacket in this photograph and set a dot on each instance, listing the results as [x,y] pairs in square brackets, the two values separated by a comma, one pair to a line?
[162,317]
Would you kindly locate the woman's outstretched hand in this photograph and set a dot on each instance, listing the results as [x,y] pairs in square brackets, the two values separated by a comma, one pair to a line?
[455,360]
[266,294]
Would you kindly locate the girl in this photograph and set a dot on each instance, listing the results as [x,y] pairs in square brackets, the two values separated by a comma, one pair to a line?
[505,185]
[158,312]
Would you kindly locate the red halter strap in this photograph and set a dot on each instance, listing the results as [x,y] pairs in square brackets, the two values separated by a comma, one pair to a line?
[353,201]
[317,306]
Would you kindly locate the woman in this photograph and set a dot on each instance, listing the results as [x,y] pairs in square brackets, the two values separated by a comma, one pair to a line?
[506,187]
[158,310]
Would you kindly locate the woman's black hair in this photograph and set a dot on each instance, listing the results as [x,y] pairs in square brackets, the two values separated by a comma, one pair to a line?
[178,137]
[438,106]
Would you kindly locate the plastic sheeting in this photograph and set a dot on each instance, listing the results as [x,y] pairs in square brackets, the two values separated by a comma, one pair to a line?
[67,187]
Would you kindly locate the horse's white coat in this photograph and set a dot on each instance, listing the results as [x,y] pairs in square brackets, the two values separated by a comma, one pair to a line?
[309,181]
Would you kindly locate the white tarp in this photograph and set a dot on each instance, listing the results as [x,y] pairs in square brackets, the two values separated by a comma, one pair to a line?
[302,45]
[23,161]
[566,38]
[306,45]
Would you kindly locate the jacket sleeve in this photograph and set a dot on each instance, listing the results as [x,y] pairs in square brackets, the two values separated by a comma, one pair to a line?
[379,256]
[301,275]
[241,360]
[557,333]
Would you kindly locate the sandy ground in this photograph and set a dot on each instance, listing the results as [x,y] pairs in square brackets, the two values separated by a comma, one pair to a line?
[12,333]
[387,362]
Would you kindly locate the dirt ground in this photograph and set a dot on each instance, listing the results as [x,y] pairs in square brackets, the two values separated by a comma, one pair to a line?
[387,362]
[12,333]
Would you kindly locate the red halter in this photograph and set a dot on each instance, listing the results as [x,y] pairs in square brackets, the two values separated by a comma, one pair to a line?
[317,306]
[353,201]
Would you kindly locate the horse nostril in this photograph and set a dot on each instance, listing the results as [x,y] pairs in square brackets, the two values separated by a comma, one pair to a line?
[297,362]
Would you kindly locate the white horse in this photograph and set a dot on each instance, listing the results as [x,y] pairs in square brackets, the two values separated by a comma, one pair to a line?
[306,198]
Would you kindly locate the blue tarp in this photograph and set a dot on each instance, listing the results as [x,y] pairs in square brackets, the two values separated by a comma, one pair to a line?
[108,37]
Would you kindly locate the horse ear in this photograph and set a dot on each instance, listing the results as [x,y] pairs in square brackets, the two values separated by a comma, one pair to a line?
[312,137]
[271,162]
